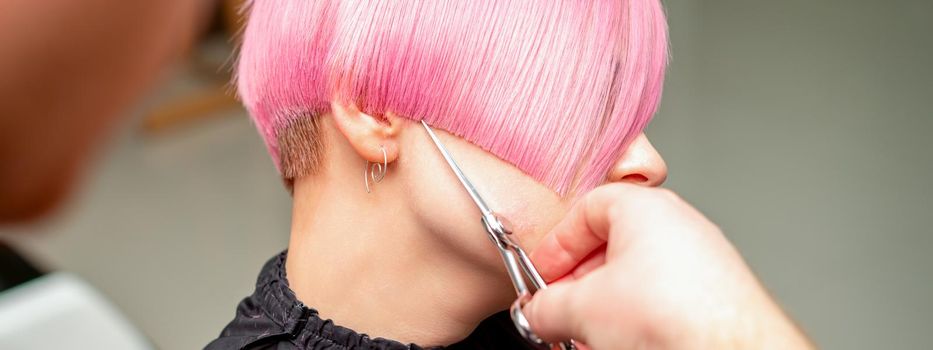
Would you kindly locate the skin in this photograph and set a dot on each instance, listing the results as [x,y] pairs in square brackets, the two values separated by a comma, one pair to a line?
[639,268]
[415,245]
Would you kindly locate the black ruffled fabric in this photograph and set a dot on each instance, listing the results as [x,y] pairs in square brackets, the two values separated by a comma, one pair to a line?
[273,318]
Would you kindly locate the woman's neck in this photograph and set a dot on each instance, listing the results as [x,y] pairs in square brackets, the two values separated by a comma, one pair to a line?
[375,270]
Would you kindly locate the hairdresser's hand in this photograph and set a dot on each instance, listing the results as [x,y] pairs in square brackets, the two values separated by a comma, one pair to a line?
[641,268]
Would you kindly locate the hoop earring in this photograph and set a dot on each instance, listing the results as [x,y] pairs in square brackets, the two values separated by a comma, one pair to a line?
[375,171]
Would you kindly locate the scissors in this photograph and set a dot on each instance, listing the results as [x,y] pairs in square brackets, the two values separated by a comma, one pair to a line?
[517,263]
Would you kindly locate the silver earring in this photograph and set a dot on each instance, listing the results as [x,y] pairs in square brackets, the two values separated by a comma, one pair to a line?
[375,171]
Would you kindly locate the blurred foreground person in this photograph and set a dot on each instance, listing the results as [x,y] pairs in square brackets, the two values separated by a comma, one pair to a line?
[68,69]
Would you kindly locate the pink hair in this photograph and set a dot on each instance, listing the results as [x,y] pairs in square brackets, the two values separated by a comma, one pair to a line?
[557,87]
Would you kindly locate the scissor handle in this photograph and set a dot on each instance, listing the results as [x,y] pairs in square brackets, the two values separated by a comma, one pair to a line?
[521,322]
[524,328]
[518,266]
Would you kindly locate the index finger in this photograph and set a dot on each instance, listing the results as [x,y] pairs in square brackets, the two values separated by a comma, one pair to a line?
[582,231]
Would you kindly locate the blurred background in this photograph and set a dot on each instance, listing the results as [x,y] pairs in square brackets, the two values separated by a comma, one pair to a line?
[801,127]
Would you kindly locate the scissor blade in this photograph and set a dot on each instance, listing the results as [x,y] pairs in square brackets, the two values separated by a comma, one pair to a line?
[462,177]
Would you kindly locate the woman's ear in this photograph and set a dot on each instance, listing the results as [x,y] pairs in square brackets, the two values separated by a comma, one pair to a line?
[368,134]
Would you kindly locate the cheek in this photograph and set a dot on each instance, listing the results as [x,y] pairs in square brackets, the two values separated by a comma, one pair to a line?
[536,221]
[531,208]
[444,209]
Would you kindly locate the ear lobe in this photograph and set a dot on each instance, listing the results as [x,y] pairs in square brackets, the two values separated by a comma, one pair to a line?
[368,135]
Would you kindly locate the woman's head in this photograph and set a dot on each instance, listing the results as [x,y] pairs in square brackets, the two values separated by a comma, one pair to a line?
[556,88]
[536,100]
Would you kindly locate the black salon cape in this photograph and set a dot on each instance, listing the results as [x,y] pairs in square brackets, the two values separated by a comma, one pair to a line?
[273,318]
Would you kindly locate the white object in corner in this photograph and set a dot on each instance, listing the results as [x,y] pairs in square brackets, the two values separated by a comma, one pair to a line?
[61,311]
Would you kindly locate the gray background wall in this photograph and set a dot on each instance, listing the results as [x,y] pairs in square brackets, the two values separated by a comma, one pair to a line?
[801,127]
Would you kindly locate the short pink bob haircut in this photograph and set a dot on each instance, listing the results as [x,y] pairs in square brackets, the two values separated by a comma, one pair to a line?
[557,88]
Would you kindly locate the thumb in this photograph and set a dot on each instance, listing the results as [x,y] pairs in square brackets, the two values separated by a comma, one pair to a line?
[552,313]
